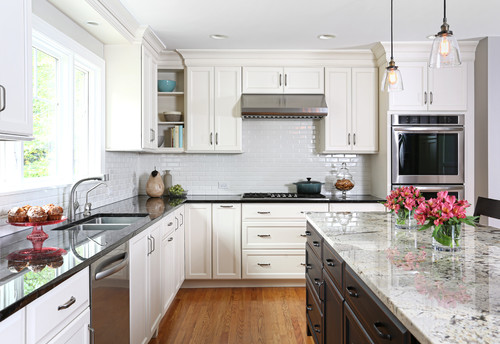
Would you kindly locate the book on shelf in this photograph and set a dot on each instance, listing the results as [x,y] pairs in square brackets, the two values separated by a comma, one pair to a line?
[174,136]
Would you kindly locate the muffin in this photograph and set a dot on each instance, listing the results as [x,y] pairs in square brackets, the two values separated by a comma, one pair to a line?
[16,266]
[54,212]
[37,214]
[56,263]
[17,214]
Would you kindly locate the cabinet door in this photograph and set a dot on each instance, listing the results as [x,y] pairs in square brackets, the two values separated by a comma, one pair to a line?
[333,312]
[139,248]
[337,125]
[414,96]
[179,249]
[168,262]
[263,80]
[304,80]
[77,332]
[154,279]
[226,226]
[12,329]
[448,88]
[198,245]
[364,138]
[200,109]
[16,115]
[149,100]
[228,109]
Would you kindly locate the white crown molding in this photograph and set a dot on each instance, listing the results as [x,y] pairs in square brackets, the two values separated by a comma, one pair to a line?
[145,34]
[169,59]
[283,58]
[417,51]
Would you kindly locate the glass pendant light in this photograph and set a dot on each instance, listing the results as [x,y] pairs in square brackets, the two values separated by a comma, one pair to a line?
[392,81]
[445,51]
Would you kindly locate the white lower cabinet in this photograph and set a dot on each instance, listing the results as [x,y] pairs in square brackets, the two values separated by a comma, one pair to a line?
[12,329]
[213,242]
[273,239]
[145,284]
[168,263]
[77,332]
[226,241]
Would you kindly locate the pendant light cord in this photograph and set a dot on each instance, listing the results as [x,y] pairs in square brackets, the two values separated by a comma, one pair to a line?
[444,18]
[392,49]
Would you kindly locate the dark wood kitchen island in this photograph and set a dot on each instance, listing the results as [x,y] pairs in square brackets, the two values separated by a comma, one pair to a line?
[368,282]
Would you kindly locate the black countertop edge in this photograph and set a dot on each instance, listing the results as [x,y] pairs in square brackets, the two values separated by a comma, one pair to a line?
[139,204]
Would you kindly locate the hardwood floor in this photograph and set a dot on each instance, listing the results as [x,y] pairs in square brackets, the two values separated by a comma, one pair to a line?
[235,315]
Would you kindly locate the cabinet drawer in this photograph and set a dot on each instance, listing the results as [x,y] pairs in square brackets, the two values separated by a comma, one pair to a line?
[314,270]
[314,240]
[273,235]
[280,211]
[377,320]
[50,313]
[314,314]
[275,264]
[333,265]
[353,330]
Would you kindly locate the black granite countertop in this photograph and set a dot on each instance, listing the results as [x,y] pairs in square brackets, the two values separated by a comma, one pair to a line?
[17,289]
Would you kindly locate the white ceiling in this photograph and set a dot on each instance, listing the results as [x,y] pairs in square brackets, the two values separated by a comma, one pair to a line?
[295,24]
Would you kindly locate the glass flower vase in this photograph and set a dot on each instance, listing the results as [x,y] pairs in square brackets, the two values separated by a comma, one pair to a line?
[446,237]
[405,219]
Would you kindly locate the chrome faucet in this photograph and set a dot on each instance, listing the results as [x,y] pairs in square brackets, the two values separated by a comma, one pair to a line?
[88,205]
[73,204]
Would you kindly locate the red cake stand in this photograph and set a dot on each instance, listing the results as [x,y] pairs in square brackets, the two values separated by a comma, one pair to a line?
[37,257]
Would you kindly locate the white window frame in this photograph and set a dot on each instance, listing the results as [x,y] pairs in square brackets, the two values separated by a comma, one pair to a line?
[71,54]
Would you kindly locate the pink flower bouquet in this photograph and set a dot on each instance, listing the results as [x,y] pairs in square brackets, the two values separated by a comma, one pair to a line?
[403,201]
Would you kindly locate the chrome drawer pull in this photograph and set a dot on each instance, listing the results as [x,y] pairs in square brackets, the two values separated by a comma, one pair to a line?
[308,233]
[263,235]
[318,282]
[226,206]
[316,244]
[352,291]
[68,304]
[263,212]
[303,235]
[170,224]
[170,239]
[308,267]
[264,264]
[378,324]
[309,308]
[317,328]
[329,262]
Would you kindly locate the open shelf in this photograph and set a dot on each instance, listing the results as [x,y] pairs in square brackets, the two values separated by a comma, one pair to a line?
[170,94]
[170,123]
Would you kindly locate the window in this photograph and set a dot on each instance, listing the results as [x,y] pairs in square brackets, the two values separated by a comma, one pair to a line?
[67,116]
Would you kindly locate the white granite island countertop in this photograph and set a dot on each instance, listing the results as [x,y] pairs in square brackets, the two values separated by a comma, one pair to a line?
[441,297]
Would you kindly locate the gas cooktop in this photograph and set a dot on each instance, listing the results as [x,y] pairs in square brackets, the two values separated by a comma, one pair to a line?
[281,195]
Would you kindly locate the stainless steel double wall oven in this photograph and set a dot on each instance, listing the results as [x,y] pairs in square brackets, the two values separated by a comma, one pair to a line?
[428,152]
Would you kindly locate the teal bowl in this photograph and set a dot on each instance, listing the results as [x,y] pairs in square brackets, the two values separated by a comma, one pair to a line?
[166,85]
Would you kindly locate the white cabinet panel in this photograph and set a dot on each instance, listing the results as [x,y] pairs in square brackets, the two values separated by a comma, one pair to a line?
[352,122]
[198,245]
[273,264]
[227,114]
[226,238]
[154,279]
[262,80]
[149,100]
[288,80]
[12,329]
[16,112]
[179,248]
[304,80]
[45,315]
[77,332]
[168,268]
[413,96]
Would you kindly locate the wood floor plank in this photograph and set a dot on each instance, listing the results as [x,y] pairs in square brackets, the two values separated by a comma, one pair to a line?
[235,315]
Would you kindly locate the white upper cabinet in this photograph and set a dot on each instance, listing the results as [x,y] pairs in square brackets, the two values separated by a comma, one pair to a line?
[443,89]
[213,109]
[16,112]
[131,101]
[351,125]
[283,80]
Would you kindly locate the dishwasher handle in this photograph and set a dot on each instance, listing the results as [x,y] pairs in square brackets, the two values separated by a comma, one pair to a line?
[100,274]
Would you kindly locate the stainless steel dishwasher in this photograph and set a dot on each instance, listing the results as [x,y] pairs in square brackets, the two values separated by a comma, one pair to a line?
[110,297]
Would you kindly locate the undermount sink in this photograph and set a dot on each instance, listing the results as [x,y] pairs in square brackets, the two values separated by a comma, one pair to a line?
[99,227]
[114,220]
[104,222]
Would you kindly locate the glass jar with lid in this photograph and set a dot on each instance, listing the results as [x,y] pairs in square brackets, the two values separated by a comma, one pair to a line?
[344,181]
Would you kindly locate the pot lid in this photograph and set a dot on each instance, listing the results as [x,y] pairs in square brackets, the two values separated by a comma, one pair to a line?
[309,182]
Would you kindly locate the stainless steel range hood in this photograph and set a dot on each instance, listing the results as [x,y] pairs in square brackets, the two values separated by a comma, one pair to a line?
[283,106]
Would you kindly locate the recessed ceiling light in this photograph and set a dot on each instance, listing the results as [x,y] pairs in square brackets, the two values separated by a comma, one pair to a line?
[326,36]
[93,23]
[218,36]
[431,36]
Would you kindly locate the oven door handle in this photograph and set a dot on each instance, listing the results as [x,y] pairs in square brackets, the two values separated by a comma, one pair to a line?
[427,129]
[100,274]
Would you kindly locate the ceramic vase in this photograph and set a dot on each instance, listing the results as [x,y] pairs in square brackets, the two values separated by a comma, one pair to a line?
[154,185]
